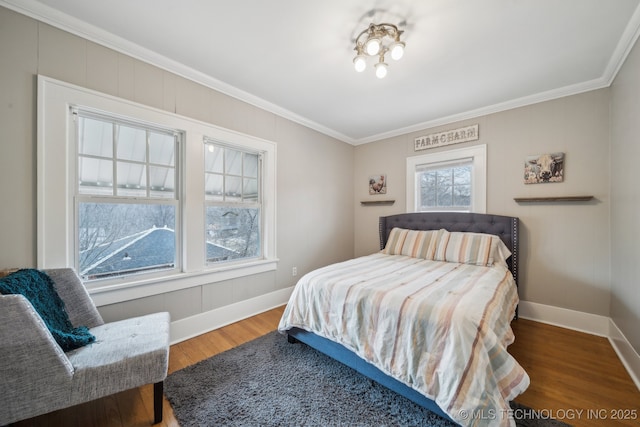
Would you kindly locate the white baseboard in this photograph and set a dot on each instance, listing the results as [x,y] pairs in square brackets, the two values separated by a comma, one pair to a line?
[628,356]
[589,323]
[565,318]
[190,327]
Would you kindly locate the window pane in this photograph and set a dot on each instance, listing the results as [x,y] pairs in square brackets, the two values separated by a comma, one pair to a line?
[233,188]
[162,182]
[117,239]
[250,165]
[233,161]
[250,189]
[213,159]
[96,137]
[427,187]
[132,144]
[132,179]
[462,195]
[95,176]
[447,187]
[445,193]
[462,175]
[232,233]
[162,149]
[213,186]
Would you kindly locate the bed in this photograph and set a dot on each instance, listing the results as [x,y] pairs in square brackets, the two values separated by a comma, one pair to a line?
[428,316]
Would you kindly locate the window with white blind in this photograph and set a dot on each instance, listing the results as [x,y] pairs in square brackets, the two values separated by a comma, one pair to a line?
[453,180]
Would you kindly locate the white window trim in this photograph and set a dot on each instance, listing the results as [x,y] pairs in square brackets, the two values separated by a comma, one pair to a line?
[479,177]
[55,191]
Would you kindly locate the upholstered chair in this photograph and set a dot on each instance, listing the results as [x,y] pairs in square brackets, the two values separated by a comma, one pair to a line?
[37,376]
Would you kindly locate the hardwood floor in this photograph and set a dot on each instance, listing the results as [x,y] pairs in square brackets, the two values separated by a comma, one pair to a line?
[574,376]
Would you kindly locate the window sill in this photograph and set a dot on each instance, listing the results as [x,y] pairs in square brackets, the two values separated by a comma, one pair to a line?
[115,293]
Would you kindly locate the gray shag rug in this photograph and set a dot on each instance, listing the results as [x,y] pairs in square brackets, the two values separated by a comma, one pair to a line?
[270,382]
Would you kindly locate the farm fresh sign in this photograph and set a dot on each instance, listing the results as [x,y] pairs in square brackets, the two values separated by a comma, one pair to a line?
[455,136]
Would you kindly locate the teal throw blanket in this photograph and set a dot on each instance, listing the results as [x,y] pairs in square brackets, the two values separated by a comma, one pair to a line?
[37,287]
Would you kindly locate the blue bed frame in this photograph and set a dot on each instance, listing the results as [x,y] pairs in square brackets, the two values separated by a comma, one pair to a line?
[503,226]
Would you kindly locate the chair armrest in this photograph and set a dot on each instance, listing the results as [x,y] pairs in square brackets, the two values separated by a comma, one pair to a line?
[29,355]
[34,371]
[78,304]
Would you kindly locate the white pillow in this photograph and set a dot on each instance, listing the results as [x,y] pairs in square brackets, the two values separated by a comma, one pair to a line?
[413,243]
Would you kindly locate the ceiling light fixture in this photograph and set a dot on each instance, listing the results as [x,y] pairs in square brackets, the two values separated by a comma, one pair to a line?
[373,42]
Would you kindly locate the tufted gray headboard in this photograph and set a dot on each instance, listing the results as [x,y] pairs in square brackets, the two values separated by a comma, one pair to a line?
[506,227]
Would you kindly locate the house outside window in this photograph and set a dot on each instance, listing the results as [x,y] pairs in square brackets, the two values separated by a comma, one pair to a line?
[127,201]
[233,220]
[451,180]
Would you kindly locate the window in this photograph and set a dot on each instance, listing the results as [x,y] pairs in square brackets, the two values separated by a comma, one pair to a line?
[444,186]
[126,194]
[233,203]
[126,198]
[453,180]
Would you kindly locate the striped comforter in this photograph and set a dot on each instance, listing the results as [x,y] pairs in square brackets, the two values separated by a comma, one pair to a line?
[442,328]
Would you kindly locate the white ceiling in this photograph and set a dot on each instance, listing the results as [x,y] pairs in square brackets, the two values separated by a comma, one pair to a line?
[463,58]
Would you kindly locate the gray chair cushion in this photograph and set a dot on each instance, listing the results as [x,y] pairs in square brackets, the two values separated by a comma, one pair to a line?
[127,354]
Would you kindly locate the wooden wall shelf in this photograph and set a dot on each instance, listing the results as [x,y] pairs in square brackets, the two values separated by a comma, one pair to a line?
[377,202]
[553,199]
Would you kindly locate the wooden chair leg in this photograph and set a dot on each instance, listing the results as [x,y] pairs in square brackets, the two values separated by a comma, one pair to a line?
[158,389]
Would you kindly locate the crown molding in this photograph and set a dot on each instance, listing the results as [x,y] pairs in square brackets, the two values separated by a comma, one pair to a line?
[625,44]
[62,21]
[491,109]
[48,15]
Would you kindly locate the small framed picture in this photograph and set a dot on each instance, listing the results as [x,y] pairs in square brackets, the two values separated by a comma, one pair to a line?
[378,184]
[544,168]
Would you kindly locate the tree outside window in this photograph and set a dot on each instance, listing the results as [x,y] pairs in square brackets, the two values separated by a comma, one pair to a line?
[233,203]
[127,203]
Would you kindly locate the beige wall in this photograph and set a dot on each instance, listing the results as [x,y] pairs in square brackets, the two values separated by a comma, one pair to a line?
[314,207]
[625,199]
[564,247]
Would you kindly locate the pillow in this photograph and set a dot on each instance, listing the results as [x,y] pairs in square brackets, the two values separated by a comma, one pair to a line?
[441,246]
[413,243]
[38,288]
[472,248]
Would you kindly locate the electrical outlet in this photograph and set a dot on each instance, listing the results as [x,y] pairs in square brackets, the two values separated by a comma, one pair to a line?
[294,271]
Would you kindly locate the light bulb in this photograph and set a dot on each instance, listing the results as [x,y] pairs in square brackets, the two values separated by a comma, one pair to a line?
[381,70]
[397,50]
[373,46]
[359,63]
